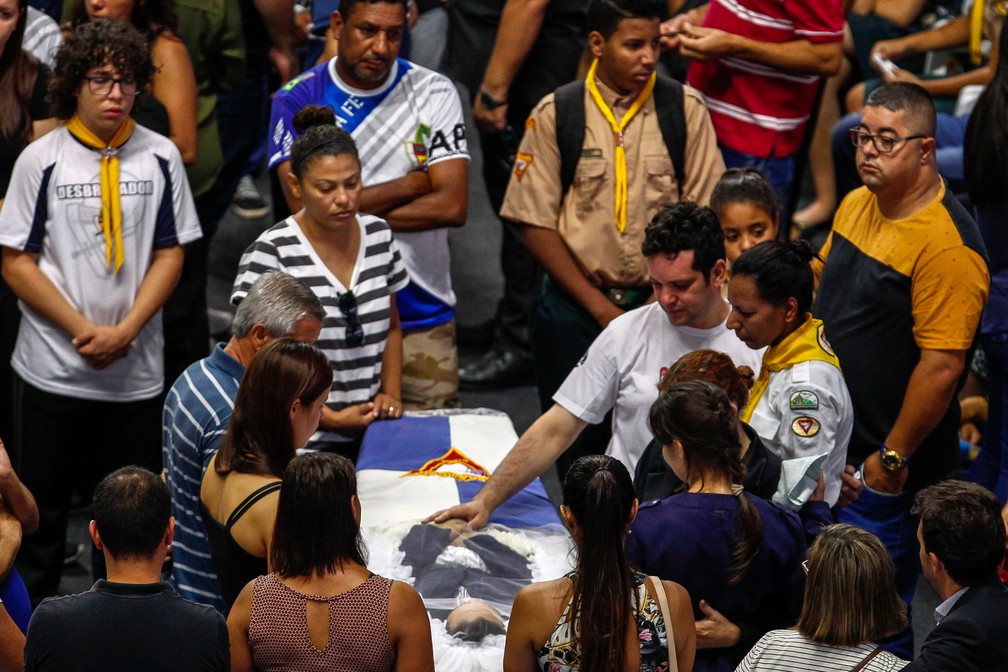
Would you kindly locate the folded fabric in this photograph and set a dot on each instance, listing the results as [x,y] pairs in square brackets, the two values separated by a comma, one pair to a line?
[798,480]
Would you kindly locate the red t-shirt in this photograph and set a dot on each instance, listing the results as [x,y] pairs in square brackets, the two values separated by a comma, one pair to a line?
[757,109]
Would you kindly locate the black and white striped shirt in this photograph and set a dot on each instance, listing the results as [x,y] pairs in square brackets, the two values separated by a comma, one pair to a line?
[790,651]
[377,274]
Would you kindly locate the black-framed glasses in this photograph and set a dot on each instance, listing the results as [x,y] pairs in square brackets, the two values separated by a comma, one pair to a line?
[884,144]
[354,331]
[102,85]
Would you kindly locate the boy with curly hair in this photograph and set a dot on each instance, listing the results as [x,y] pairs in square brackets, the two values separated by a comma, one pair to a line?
[92,232]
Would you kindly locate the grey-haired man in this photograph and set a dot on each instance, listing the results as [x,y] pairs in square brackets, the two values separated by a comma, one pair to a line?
[199,406]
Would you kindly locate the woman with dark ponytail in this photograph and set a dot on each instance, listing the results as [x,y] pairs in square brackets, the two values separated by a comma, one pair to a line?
[799,405]
[733,552]
[604,616]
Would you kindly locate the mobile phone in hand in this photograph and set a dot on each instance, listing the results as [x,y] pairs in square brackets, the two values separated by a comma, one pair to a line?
[884,64]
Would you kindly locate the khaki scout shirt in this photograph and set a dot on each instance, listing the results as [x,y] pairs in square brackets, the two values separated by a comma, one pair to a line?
[584,216]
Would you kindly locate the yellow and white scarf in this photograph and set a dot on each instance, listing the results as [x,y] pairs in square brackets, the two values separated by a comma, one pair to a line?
[804,344]
[976,31]
[620,208]
[111,211]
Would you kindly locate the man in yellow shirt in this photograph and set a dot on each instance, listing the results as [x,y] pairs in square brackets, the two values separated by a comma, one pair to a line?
[903,285]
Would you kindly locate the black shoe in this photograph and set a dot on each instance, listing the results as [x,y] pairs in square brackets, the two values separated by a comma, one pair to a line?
[496,368]
[248,203]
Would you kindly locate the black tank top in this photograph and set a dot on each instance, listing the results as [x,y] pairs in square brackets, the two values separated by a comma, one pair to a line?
[235,566]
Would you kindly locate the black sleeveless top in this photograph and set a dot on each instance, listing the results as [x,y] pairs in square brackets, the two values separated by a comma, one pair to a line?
[235,566]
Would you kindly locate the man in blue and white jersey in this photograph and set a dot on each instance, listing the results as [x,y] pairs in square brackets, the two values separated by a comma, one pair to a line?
[199,406]
[408,125]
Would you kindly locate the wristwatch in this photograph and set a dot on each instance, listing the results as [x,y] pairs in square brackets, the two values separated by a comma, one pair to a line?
[489,102]
[891,460]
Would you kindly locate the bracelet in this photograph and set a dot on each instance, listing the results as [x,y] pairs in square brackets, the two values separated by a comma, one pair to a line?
[489,101]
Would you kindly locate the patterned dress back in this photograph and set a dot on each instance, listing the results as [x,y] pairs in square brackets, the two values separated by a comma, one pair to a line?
[561,654]
[358,628]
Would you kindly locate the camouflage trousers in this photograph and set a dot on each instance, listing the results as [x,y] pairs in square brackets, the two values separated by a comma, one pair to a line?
[430,368]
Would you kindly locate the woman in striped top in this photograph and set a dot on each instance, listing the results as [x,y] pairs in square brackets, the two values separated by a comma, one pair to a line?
[850,603]
[352,264]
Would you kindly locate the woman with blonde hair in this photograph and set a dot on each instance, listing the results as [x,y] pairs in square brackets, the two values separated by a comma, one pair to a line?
[850,603]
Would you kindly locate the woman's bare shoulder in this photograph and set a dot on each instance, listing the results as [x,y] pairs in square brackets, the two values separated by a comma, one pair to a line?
[555,590]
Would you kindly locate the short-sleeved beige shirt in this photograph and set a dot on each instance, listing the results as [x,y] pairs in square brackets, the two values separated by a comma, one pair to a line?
[584,216]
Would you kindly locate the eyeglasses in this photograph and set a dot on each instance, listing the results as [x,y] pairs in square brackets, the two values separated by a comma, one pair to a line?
[804,565]
[102,85]
[354,331]
[884,144]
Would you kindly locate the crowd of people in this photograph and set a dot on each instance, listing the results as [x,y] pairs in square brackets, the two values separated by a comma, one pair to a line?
[757,427]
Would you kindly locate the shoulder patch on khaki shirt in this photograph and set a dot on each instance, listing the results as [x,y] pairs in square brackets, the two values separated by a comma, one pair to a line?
[522,162]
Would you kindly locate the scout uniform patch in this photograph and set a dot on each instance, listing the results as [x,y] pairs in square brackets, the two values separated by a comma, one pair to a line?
[804,400]
[823,343]
[522,162]
[805,426]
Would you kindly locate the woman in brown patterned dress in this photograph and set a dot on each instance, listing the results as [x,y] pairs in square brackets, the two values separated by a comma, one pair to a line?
[321,609]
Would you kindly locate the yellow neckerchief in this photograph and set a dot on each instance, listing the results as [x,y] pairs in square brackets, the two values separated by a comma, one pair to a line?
[617,128]
[801,345]
[976,31]
[111,211]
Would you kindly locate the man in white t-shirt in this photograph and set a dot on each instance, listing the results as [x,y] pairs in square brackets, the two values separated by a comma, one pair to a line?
[408,125]
[92,230]
[620,372]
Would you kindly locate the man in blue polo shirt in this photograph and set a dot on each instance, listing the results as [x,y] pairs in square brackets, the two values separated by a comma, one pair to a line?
[199,406]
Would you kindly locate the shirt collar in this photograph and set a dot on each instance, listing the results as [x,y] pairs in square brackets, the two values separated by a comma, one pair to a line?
[132,589]
[363,93]
[943,609]
[225,362]
[615,101]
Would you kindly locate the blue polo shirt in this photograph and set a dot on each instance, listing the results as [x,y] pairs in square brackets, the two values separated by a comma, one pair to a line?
[195,418]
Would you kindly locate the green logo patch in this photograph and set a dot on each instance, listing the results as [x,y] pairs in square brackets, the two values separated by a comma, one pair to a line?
[804,400]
